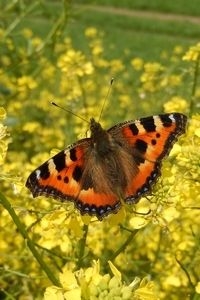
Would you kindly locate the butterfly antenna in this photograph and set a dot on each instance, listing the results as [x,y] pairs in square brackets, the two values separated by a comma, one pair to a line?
[69,111]
[107,96]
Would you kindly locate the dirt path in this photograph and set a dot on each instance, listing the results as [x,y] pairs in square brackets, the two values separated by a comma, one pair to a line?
[143,14]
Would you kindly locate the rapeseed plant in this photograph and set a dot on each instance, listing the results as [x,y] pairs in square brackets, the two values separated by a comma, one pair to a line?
[146,251]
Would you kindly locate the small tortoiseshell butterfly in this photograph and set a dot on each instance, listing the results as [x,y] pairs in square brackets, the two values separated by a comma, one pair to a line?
[122,162]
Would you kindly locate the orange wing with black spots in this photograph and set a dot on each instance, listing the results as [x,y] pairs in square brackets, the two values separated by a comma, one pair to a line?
[150,139]
[62,177]
[120,163]
[59,176]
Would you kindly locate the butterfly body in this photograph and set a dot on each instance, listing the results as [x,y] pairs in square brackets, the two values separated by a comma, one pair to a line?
[121,163]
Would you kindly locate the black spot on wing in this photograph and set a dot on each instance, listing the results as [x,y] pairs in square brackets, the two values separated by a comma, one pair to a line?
[141,146]
[72,154]
[148,124]
[59,161]
[166,120]
[134,129]
[153,142]
[77,173]
[66,179]
[44,171]
[158,135]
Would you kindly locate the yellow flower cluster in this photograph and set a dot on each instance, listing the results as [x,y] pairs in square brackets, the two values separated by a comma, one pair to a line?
[54,230]
[189,158]
[90,284]
[193,54]
[137,63]
[176,103]
[151,76]
[75,63]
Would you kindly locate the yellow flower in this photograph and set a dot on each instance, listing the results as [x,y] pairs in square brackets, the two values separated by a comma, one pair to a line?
[178,50]
[75,63]
[177,104]
[115,271]
[170,213]
[173,280]
[172,80]
[2,113]
[26,82]
[90,284]
[151,76]
[70,285]
[37,42]
[48,72]
[27,32]
[149,86]
[53,293]
[97,49]
[193,53]
[153,68]
[197,288]
[125,100]
[137,63]
[146,290]
[116,65]
[54,230]
[91,32]
[31,126]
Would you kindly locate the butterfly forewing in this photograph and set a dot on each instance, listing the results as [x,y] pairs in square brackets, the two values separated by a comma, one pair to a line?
[150,139]
[59,176]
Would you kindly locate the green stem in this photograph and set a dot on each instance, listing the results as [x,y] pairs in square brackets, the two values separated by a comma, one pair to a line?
[60,23]
[51,33]
[20,226]
[186,272]
[13,25]
[82,244]
[125,244]
[84,98]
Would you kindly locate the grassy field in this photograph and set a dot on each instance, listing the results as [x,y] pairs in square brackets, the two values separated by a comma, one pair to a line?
[175,7]
[142,36]
[146,37]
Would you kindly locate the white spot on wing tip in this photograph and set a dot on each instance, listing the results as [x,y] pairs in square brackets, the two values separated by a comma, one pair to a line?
[172,117]
[38,172]
[51,165]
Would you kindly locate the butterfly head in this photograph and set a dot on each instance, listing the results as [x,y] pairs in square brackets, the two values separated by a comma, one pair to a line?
[100,138]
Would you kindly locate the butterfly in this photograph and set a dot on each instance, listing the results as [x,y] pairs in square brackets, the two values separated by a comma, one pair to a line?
[117,165]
